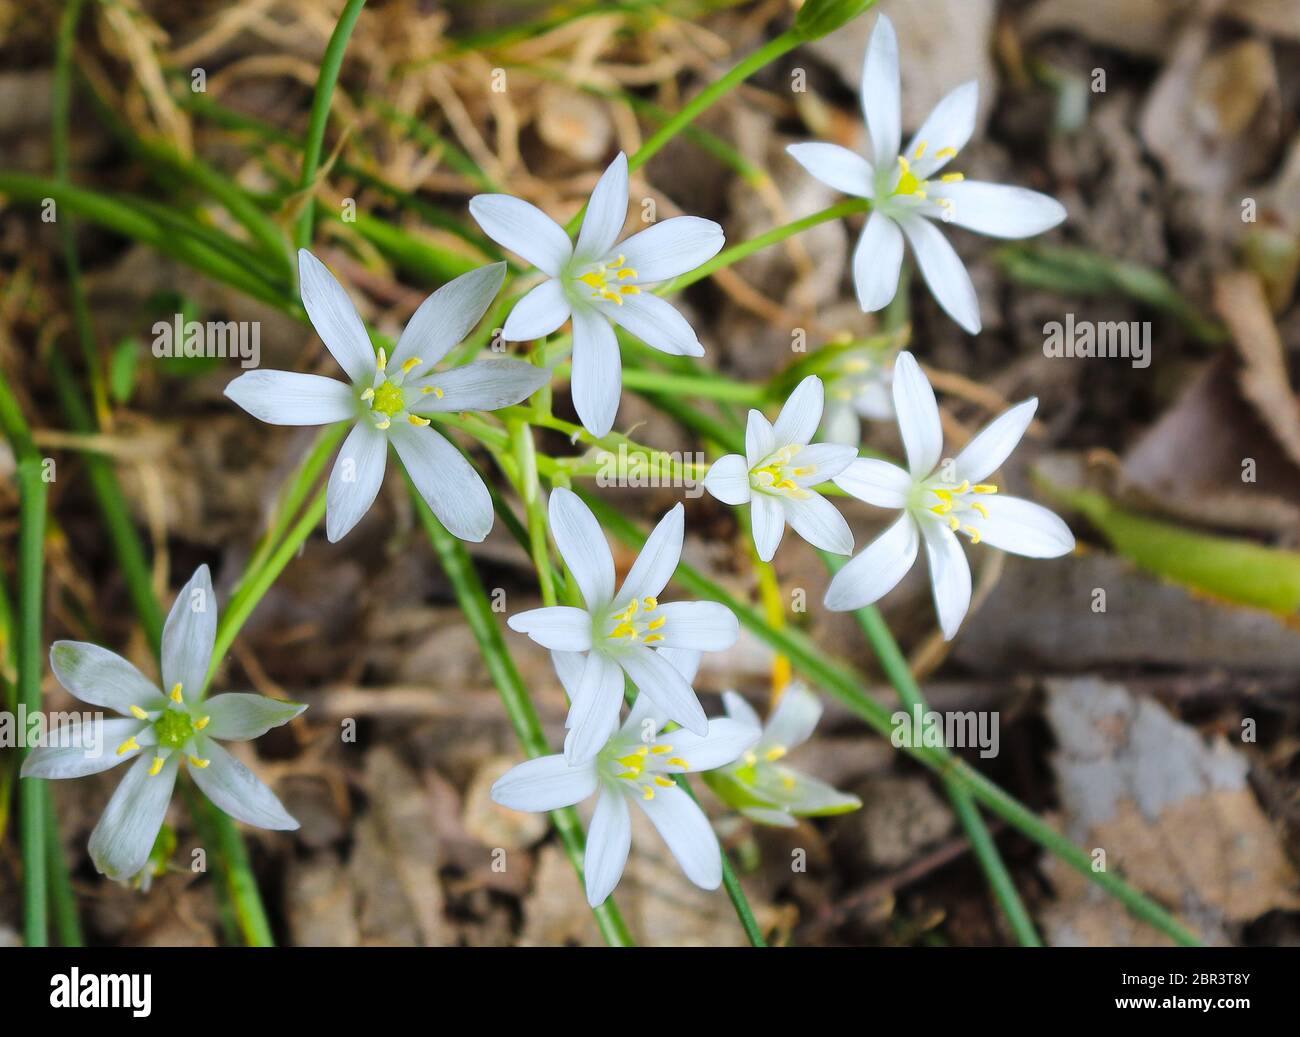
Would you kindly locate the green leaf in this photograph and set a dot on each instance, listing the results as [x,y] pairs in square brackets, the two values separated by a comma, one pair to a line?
[122,368]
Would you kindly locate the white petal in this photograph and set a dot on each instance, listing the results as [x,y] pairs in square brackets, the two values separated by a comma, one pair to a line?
[880,90]
[99,677]
[608,842]
[944,272]
[544,783]
[760,439]
[682,825]
[447,482]
[726,741]
[606,211]
[672,247]
[836,167]
[1000,210]
[582,546]
[354,482]
[801,414]
[538,313]
[819,522]
[949,125]
[593,717]
[125,834]
[189,635]
[645,719]
[949,575]
[524,229]
[794,719]
[558,627]
[289,398]
[728,479]
[658,559]
[877,260]
[875,402]
[238,791]
[569,667]
[840,424]
[685,661]
[335,319]
[768,519]
[877,482]
[984,454]
[918,416]
[97,751]
[597,378]
[704,626]
[238,717]
[1024,528]
[764,816]
[656,677]
[483,385]
[656,323]
[448,315]
[877,570]
[827,460]
[740,710]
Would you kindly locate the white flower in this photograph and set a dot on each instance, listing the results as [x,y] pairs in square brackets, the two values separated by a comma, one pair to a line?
[778,468]
[596,282]
[593,647]
[907,195]
[937,503]
[159,731]
[634,765]
[759,784]
[388,396]
[858,386]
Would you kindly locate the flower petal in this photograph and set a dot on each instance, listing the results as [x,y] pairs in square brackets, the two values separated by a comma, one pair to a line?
[289,398]
[836,167]
[1000,210]
[447,482]
[877,259]
[728,479]
[705,626]
[840,424]
[984,454]
[239,717]
[794,719]
[606,212]
[608,840]
[826,461]
[918,416]
[740,710]
[658,559]
[125,834]
[96,753]
[544,783]
[237,791]
[538,313]
[99,677]
[819,522]
[877,570]
[875,402]
[582,546]
[877,482]
[880,92]
[523,229]
[597,378]
[655,676]
[561,628]
[768,520]
[684,828]
[448,315]
[1024,528]
[335,319]
[645,719]
[949,575]
[593,716]
[569,667]
[189,635]
[685,661]
[657,323]
[946,130]
[483,385]
[801,414]
[354,482]
[726,740]
[672,247]
[760,439]
[944,272]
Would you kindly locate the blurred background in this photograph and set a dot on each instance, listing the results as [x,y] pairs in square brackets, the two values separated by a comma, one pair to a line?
[1146,686]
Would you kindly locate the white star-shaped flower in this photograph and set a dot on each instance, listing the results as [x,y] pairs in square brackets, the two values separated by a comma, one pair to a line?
[908,191]
[858,387]
[939,501]
[389,396]
[635,765]
[623,633]
[778,469]
[160,731]
[597,282]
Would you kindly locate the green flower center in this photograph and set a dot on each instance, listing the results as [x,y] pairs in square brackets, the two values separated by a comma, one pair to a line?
[388,399]
[174,728]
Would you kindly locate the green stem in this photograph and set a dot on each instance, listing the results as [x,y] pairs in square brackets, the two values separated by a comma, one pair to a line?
[731,882]
[63,903]
[525,454]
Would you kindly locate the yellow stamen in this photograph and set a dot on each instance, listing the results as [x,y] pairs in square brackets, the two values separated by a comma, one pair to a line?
[200,764]
[677,761]
[629,272]
[432,389]
[775,753]
[382,362]
[629,289]
[904,165]
[953,524]
[156,766]
[176,692]
[984,488]
[410,365]
[953,178]
[665,783]
[919,150]
[418,421]
[139,713]
[650,603]
[368,395]
[974,534]
[381,425]
[652,638]
[659,750]
[129,746]
[656,623]
[977,506]
[649,793]
[201,723]
[945,153]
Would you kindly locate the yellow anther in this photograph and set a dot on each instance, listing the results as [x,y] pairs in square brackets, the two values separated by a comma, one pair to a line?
[652,638]
[941,509]
[626,272]
[381,425]
[775,753]
[632,762]
[630,775]
[974,534]
[942,494]
[984,488]
[649,793]
[787,780]
[677,761]
[176,692]
[139,713]
[945,153]
[156,766]
[196,762]
[382,361]
[643,750]
[750,758]
[619,261]
[129,746]
[624,630]
[953,178]
[432,389]
[664,783]
[409,365]
[656,623]
[418,421]
[650,603]
[628,289]
[977,506]
[953,524]
[201,723]
[919,150]
[368,395]
[659,750]
[904,165]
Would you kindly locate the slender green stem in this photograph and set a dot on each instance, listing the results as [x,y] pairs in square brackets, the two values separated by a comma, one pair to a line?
[63,903]
[525,453]
[731,882]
